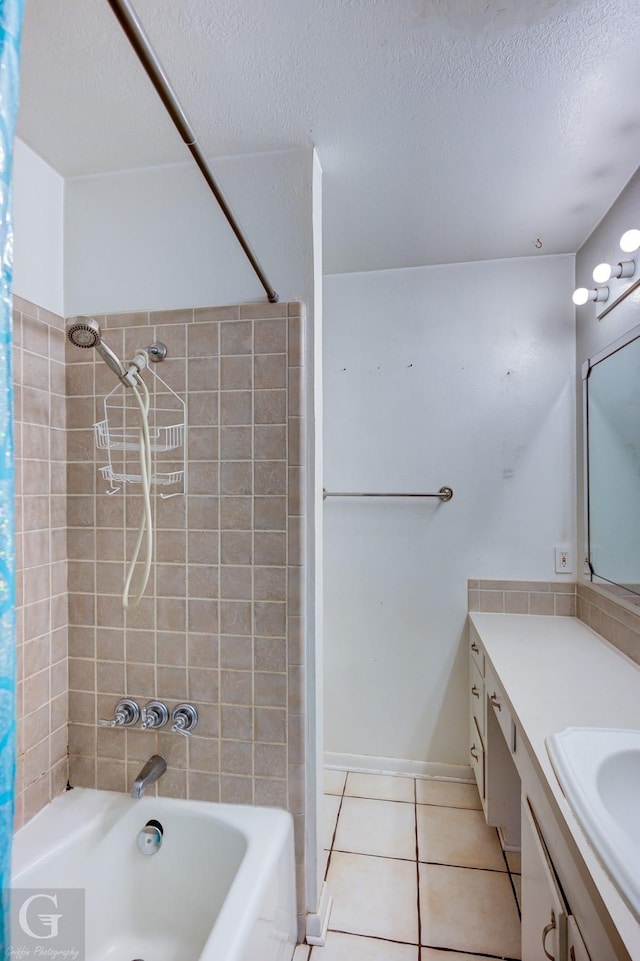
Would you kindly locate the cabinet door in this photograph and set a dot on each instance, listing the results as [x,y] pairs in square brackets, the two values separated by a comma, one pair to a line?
[476,696]
[476,749]
[576,948]
[543,908]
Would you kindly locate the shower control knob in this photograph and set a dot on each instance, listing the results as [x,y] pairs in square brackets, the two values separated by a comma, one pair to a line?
[126,714]
[155,714]
[185,718]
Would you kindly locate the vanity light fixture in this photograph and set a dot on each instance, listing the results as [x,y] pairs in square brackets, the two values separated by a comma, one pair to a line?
[582,295]
[630,241]
[604,272]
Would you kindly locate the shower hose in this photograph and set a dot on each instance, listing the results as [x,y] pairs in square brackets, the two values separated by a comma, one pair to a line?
[141,394]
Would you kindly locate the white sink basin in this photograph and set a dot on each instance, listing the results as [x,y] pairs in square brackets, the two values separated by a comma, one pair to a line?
[599,773]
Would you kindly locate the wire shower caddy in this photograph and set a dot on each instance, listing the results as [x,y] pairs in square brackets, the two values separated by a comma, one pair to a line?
[119,435]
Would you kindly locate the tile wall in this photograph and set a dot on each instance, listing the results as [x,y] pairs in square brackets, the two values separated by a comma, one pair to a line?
[41,556]
[221,624]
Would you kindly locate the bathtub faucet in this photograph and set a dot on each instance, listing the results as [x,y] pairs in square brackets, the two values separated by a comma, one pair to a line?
[153,769]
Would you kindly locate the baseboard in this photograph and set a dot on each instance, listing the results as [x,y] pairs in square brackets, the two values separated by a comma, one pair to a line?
[366,764]
[318,923]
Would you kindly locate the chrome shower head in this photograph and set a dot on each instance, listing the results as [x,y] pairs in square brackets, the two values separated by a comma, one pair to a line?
[85,332]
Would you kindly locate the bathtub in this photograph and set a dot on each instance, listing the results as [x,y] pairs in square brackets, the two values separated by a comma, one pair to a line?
[220,888]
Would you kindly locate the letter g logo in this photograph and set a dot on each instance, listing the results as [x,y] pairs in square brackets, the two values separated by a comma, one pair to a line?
[48,921]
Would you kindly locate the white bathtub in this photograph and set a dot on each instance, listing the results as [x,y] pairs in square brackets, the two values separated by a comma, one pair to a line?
[220,888]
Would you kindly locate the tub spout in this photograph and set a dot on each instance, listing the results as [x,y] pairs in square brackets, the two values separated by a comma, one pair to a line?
[153,769]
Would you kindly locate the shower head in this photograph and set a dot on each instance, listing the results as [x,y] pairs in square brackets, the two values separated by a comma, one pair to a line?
[85,332]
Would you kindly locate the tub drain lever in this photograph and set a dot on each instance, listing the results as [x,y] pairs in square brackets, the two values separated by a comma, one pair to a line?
[150,838]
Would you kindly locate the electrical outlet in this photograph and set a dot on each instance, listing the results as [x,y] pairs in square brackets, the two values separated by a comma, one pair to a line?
[563,561]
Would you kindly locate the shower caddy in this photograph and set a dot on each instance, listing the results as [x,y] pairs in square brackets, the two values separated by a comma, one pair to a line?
[119,432]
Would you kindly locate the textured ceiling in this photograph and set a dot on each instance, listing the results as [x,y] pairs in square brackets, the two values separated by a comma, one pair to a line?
[448,130]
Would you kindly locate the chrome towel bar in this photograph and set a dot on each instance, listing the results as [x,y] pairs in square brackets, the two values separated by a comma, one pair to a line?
[445,494]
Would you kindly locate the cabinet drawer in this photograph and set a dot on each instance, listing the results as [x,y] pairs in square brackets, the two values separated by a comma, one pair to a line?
[476,696]
[498,703]
[476,752]
[475,649]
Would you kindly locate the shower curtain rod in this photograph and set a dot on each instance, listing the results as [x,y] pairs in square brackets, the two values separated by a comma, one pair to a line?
[136,36]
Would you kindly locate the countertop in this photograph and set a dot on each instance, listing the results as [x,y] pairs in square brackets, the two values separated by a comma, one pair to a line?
[558,673]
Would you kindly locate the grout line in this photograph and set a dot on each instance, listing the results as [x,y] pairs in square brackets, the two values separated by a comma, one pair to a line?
[335,829]
[375,937]
[472,954]
[513,887]
[441,864]
[415,825]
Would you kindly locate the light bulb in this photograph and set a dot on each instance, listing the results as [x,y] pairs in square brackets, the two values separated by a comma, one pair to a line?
[580,296]
[602,273]
[630,241]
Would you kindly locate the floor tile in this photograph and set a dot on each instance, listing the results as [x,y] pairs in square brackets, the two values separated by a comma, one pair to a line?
[334,781]
[330,808]
[350,947]
[513,860]
[324,861]
[453,794]
[301,953]
[384,828]
[457,836]
[468,910]
[374,896]
[385,787]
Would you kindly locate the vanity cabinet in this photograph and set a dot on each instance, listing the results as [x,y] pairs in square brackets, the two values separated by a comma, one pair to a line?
[562,912]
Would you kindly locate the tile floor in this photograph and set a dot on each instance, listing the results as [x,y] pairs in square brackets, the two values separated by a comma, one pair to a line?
[415,874]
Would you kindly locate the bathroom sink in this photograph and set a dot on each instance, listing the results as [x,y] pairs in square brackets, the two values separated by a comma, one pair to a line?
[599,773]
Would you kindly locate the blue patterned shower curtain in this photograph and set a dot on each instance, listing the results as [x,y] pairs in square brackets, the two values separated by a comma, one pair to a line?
[11,15]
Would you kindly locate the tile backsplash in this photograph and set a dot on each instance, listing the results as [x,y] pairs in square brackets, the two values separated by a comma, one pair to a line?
[618,624]
[522,597]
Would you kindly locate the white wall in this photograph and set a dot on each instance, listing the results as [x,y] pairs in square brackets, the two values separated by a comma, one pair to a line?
[38,211]
[156,239]
[459,375]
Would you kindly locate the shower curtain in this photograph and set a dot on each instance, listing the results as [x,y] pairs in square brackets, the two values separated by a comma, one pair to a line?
[11,15]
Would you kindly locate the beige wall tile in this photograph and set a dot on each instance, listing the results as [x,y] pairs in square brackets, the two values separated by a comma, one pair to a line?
[236,337]
[236,652]
[203,339]
[236,790]
[262,310]
[236,547]
[236,373]
[270,336]
[270,442]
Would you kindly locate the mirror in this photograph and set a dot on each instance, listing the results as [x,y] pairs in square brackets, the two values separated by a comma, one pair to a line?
[611,393]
